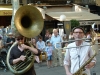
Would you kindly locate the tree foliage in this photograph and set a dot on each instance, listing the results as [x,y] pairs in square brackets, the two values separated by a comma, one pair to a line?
[74,23]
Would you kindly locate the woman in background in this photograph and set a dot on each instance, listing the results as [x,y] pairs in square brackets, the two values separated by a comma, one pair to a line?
[33,41]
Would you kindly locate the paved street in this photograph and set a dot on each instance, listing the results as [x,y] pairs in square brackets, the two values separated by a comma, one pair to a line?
[43,70]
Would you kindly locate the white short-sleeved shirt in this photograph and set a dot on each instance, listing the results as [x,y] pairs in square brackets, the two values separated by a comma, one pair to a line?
[78,56]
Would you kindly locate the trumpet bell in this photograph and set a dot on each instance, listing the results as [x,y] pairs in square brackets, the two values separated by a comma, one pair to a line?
[28,21]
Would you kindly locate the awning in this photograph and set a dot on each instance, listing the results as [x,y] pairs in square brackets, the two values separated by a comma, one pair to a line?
[6,10]
[74,15]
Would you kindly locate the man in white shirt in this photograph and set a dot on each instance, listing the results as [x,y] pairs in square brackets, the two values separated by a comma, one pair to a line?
[77,54]
[57,53]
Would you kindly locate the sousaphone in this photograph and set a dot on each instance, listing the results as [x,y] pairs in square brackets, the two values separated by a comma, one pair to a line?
[29,23]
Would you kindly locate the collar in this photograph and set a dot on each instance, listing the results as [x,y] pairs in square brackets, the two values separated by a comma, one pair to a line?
[20,48]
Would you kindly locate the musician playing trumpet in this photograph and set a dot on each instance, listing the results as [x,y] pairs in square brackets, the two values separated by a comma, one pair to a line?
[76,56]
[17,54]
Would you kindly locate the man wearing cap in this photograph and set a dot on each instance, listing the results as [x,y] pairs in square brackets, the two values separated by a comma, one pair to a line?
[77,54]
[10,40]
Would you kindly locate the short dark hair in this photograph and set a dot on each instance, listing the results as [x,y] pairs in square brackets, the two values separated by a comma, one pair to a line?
[20,38]
[48,42]
[79,27]
[40,37]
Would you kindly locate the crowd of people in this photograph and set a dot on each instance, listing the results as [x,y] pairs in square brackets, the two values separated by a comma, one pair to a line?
[51,49]
[38,43]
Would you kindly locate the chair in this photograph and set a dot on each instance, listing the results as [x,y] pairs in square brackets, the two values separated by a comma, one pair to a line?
[43,56]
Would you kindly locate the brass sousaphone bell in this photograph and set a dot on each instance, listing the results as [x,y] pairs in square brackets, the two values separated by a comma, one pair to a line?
[29,23]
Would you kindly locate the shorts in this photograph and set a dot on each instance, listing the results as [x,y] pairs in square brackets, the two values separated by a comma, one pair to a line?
[49,57]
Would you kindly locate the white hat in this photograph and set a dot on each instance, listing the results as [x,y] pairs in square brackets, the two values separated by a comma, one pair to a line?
[10,33]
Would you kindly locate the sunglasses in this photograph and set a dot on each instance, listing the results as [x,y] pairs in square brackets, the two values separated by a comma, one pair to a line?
[78,32]
[20,39]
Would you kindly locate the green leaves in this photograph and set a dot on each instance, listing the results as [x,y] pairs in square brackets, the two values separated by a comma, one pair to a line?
[74,23]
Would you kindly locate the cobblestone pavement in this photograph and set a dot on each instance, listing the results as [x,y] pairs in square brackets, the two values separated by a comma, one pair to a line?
[43,70]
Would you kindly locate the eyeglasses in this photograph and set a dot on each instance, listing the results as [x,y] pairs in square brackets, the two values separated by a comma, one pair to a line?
[20,39]
[78,32]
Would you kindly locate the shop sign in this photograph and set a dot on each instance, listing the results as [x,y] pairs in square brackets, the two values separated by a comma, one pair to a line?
[6,13]
[89,22]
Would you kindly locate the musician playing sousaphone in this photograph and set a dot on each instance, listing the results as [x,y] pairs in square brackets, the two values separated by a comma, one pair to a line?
[17,54]
[77,54]
[28,23]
